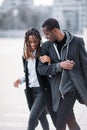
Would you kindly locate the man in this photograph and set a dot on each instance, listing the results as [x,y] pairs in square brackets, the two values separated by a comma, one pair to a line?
[67,71]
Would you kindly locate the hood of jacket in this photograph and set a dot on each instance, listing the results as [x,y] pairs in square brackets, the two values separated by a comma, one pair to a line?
[69,36]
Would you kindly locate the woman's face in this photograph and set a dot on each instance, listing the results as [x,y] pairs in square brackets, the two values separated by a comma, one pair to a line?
[33,42]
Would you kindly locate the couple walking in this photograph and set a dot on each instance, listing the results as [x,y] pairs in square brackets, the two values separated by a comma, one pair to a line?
[55,74]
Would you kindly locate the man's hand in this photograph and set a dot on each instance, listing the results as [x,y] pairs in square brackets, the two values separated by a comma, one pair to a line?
[68,64]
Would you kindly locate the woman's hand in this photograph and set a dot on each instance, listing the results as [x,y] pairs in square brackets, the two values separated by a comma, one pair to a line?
[16,83]
[45,59]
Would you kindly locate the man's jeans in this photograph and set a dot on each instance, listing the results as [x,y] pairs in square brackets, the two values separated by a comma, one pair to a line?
[65,113]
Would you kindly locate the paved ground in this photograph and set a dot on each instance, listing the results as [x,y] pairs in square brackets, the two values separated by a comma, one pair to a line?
[13,108]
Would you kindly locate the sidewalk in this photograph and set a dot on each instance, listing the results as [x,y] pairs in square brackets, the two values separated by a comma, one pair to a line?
[15,116]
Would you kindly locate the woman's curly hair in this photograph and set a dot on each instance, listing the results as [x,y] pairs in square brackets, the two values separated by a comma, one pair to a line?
[27,51]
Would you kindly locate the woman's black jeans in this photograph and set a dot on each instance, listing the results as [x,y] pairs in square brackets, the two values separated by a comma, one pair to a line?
[38,111]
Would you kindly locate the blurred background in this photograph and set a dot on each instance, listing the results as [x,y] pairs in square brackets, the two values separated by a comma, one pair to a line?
[17,16]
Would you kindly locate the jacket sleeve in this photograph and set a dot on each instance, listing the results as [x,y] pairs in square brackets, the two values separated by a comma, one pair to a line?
[22,79]
[52,69]
[83,58]
[46,69]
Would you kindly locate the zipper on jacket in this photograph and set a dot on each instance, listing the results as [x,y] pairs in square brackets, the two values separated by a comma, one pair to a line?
[62,95]
[59,57]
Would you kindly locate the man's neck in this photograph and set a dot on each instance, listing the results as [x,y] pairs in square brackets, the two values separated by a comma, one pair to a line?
[61,36]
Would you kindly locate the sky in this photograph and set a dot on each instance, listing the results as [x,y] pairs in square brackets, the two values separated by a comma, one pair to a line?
[38,2]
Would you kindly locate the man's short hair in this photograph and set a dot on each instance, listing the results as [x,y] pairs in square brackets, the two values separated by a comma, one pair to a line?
[51,23]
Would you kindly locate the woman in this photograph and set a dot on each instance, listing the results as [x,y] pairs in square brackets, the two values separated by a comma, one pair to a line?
[33,91]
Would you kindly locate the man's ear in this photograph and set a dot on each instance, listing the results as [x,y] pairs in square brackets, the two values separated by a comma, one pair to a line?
[55,30]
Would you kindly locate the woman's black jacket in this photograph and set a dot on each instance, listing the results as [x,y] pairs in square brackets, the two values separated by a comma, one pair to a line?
[44,84]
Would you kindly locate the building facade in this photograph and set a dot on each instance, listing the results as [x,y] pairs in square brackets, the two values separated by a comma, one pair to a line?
[9,4]
[72,15]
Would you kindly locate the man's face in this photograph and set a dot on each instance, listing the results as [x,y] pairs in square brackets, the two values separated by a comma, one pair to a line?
[49,34]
